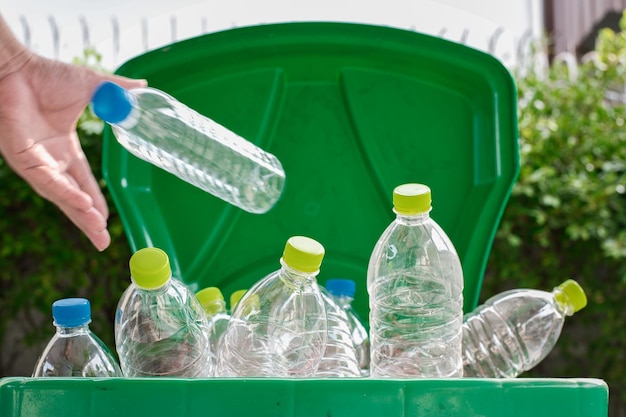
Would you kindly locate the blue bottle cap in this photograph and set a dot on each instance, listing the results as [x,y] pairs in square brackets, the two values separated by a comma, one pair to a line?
[71,312]
[341,287]
[111,103]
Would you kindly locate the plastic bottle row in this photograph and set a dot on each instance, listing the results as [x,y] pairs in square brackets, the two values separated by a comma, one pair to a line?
[286,325]
[487,335]
[158,335]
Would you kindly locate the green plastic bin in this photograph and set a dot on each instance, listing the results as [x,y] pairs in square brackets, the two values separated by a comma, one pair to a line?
[351,111]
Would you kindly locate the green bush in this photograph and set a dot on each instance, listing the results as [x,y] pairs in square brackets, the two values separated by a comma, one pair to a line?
[567,213]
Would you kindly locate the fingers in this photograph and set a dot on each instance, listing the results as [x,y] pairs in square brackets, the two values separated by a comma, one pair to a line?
[92,188]
[90,222]
[73,189]
[81,173]
[125,82]
[77,205]
[128,82]
[48,177]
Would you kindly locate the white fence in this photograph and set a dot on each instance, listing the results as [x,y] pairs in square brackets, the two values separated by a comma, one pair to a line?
[65,36]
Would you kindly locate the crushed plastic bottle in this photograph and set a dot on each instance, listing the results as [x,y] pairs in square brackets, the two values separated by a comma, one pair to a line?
[160,327]
[415,285]
[75,351]
[278,328]
[515,330]
[340,357]
[343,291]
[212,302]
[157,128]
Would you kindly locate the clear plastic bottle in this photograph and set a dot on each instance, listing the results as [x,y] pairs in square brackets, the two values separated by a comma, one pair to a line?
[343,291]
[415,285]
[515,330]
[340,358]
[75,350]
[214,306]
[160,327]
[278,328]
[157,128]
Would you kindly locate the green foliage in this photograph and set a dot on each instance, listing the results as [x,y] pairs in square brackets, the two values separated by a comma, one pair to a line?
[567,213]
[44,257]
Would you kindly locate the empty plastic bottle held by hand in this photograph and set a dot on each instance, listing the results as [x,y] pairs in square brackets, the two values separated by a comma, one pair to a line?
[157,128]
[160,327]
[415,284]
[75,350]
[515,330]
[343,291]
[278,328]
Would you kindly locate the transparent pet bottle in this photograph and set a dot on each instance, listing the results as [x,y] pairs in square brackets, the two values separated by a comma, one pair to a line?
[515,330]
[212,301]
[234,299]
[278,328]
[159,129]
[160,326]
[343,291]
[340,357]
[75,351]
[415,285]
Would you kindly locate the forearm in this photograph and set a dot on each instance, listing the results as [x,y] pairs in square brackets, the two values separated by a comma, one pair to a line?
[13,54]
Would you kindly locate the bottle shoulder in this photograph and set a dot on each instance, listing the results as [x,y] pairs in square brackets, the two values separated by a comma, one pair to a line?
[422,249]
[425,233]
[173,303]
[174,288]
[516,298]
[519,307]
[77,343]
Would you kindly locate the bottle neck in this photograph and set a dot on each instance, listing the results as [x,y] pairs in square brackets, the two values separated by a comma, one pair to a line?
[561,300]
[159,290]
[72,331]
[134,114]
[413,219]
[296,279]
[344,301]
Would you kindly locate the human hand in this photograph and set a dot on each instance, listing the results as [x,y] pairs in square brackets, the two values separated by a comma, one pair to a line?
[40,104]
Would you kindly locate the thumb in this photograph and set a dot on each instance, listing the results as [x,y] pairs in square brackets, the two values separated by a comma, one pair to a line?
[125,82]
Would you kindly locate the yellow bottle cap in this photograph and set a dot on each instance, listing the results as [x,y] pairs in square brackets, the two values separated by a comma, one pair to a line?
[212,300]
[150,268]
[235,297]
[411,199]
[303,254]
[573,294]
[246,306]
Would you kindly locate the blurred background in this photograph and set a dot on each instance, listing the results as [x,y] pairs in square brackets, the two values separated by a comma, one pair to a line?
[566,216]
[120,29]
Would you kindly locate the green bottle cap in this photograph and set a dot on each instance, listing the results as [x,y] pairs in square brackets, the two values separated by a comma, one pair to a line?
[212,300]
[150,268]
[411,199]
[303,254]
[572,294]
[235,297]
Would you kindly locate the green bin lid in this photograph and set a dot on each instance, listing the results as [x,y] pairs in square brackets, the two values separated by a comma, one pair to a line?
[352,111]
